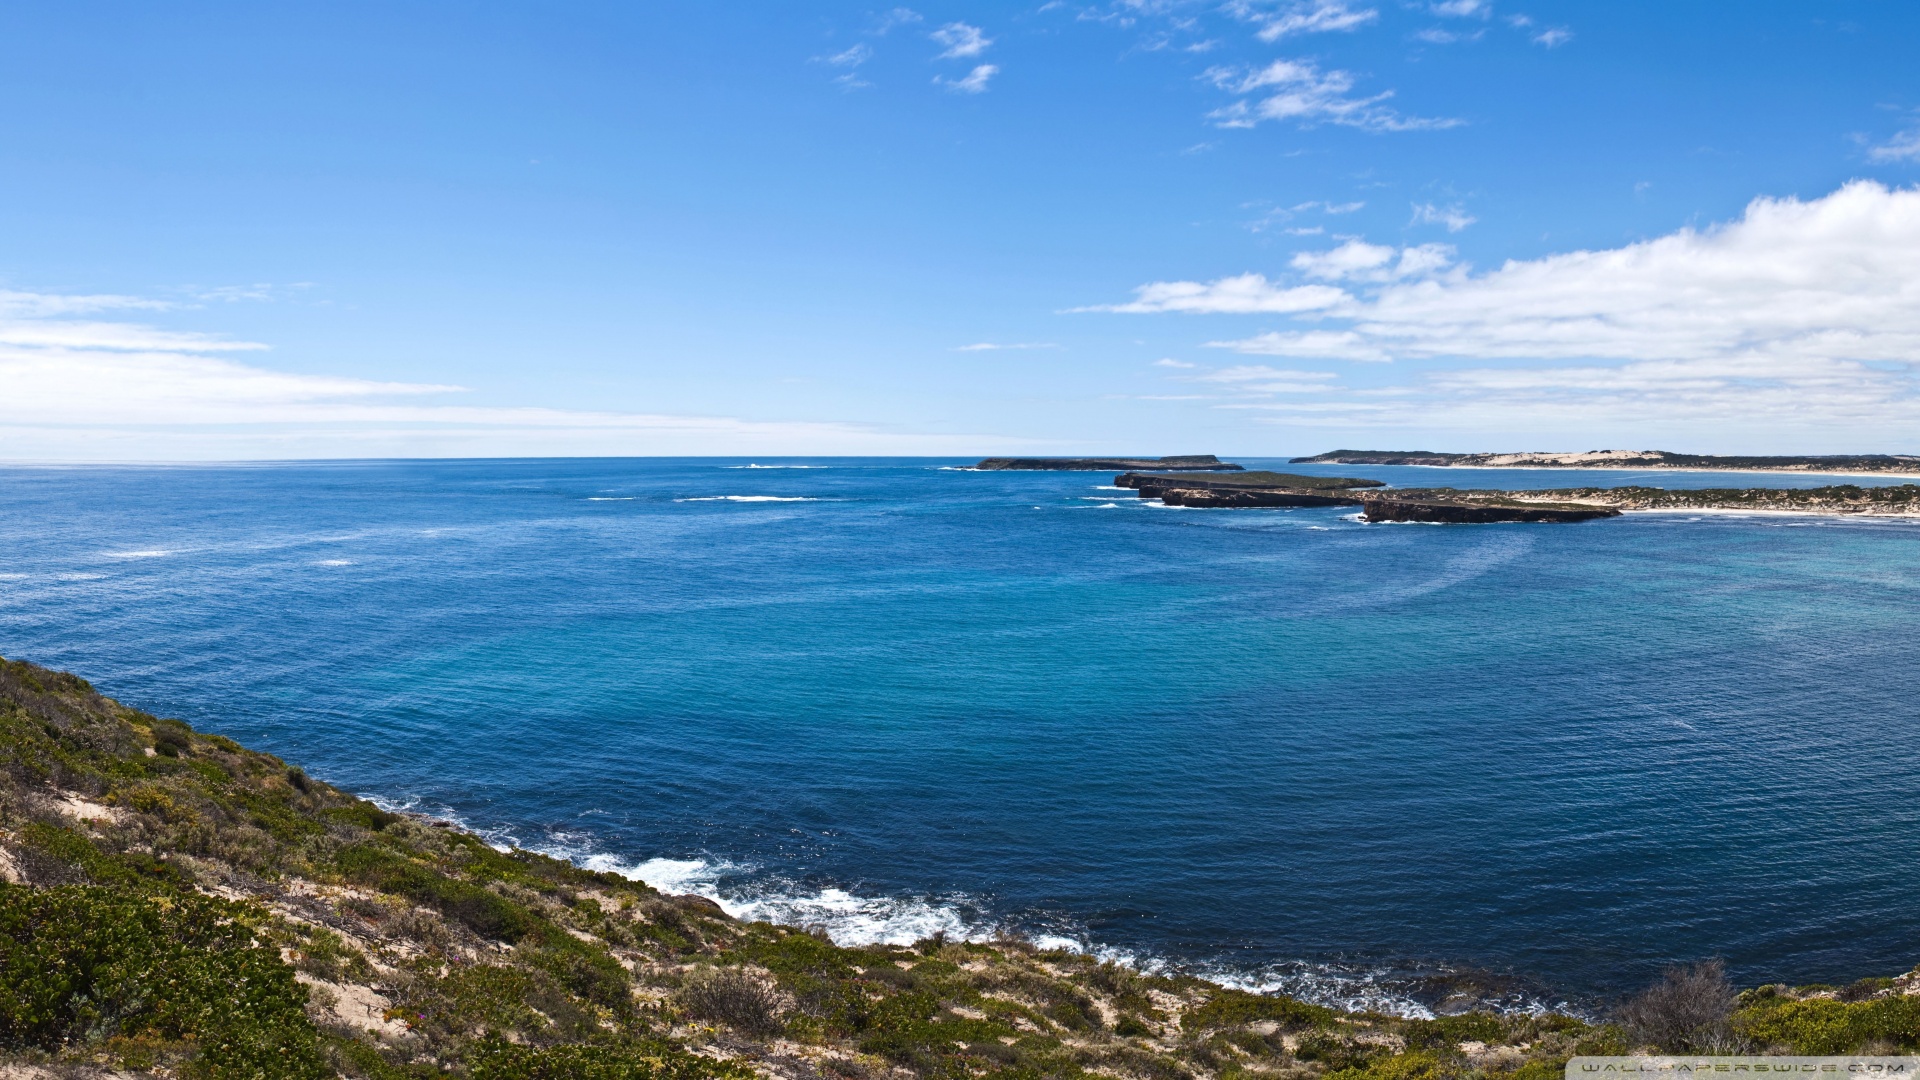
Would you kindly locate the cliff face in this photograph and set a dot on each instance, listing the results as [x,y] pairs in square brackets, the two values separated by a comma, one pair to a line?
[172,904]
[1440,510]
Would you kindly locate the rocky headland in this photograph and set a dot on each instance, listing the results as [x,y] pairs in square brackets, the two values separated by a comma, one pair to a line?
[1379,503]
[175,905]
[1188,462]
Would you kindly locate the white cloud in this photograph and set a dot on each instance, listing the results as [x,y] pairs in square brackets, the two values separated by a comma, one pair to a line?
[40,305]
[1554,37]
[1799,315]
[83,390]
[990,346]
[1172,363]
[975,81]
[1329,208]
[1310,345]
[1902,147]
[1246,294]
[1360,261]
[1303,94]
[1320,16]
[960,41]
[1453,217]
[853,57]
[1464,9]
[850,59]
[897,17]
[1433,35]
[1261,379]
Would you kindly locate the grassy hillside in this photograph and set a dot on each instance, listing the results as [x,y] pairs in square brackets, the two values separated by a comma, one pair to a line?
[175,904]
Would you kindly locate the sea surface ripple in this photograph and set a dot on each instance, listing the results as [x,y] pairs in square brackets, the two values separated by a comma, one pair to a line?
[890,697]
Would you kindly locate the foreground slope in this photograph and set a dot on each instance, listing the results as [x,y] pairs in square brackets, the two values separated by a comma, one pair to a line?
[174,904]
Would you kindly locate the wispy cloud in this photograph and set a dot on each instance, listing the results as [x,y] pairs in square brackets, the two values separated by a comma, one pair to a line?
[853,57]
[1319,16]
[1553,38]
[1433,35]
[1452,217]
[90,389]
[1242,295]
[896,18]
[1261,379]
[1172,363]
[849,60]
[975,81]
[960,41]
[1297,91]
[1463,9]
[994,346]
[1904,146]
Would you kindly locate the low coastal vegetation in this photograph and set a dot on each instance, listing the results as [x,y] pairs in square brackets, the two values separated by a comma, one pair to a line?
[176,905]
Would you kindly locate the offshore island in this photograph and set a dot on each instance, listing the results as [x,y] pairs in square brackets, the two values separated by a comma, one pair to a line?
[1381,503]
[173,904]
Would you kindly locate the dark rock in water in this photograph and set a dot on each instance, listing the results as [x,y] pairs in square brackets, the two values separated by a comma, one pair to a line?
[1381,508]
[1153,485]
[1184,463]
[1235,497]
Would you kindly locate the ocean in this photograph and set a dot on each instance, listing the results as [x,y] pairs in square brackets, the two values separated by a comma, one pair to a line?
[1362,763]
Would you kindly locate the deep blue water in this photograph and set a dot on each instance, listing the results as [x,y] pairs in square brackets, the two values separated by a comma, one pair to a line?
[1282,744]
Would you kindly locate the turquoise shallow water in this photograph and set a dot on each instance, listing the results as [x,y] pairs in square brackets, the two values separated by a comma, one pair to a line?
[1280,745]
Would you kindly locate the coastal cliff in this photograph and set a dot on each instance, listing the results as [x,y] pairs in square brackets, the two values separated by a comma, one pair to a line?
[175,905]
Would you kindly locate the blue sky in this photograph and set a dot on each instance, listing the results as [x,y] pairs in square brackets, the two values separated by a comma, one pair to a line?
[359,229]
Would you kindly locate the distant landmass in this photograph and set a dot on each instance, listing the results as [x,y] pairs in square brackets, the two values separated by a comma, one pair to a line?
[1622,459]
[1189,462]
[1379,503]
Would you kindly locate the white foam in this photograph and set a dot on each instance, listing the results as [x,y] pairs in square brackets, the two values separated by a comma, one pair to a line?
[776,466]
[749,498]
[850,919]
[152,553]
[611,498]
[12,577]
[334,562]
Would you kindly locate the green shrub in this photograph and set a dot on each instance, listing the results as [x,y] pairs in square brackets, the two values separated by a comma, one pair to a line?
[484,912]
[1823,1026]
[1231,1007]
[1447,1032]
[171,738]
[361,813]
[497,1059]
[81,965]
[1418,1065]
